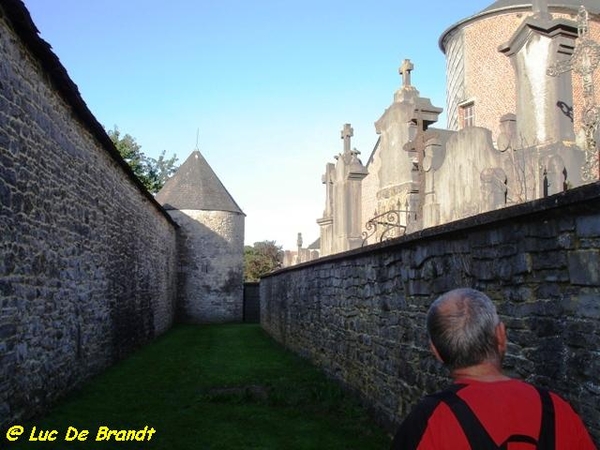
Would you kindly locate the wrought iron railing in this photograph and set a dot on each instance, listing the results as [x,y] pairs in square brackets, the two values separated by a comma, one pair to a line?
[387,225]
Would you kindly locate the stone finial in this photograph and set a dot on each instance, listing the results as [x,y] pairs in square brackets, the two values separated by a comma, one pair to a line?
[405,69]
[540,9]
[347,133]
[583,24]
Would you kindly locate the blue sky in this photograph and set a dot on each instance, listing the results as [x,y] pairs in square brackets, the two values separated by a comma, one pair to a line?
[266,84]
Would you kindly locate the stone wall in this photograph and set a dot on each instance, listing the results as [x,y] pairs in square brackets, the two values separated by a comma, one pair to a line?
[87,257]
[211,266]
[360,315]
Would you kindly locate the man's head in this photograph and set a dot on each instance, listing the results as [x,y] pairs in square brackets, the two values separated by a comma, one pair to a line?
[465,330]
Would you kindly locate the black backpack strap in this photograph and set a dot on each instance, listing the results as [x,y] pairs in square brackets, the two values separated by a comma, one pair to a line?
[480,439]
[412,429]
[475,432]
[547,440]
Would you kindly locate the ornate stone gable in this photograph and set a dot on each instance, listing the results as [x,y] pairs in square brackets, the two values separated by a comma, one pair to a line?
[421,177]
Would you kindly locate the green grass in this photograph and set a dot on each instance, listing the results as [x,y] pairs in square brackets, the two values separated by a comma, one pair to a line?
[213,387]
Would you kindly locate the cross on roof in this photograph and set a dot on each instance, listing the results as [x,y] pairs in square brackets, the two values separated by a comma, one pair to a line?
[540,8]
[586,57]
[405,69]
[347,133]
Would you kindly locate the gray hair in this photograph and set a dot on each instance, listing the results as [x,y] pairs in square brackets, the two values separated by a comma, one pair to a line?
[462,327]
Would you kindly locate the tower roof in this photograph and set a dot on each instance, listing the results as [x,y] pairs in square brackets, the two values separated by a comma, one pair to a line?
[501,6]
[196,186]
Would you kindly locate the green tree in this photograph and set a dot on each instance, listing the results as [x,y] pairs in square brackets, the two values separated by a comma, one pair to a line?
[158,171]
[260,259]
[153,173]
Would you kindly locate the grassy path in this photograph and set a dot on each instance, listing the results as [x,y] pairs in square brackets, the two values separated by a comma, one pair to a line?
[214,388]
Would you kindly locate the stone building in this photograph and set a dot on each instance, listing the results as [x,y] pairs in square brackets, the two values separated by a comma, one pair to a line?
[211,243]
[519,79]
[480,80]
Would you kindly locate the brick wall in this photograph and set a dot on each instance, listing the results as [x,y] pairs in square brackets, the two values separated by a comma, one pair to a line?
[87,258]
[360,315]
[489,76]
[478,72]
[578,98]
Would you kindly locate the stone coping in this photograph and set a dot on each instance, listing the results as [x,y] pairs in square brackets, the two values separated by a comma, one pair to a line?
[586,197]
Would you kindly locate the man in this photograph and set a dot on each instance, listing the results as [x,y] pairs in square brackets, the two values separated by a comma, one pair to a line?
[484,409]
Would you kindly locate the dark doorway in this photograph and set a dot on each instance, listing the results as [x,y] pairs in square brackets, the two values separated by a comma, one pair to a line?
[251,303]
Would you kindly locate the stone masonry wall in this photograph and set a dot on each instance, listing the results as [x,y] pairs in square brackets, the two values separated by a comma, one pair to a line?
[87,258]
[360,315]
[211,266]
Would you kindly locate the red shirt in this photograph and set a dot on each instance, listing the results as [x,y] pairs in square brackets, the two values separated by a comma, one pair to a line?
[504,408]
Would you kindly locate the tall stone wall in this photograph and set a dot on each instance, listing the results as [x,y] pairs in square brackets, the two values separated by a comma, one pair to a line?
[87,258]
[360,315]
[211,266]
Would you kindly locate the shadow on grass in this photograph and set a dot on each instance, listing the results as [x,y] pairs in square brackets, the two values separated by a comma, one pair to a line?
[211,387]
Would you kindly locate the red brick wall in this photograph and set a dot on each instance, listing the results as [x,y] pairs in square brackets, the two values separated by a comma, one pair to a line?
[489,78]
[578,83]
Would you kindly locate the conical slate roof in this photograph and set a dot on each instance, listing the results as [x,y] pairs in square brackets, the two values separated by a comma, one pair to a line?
[500,6]
[593,6]
[196,186]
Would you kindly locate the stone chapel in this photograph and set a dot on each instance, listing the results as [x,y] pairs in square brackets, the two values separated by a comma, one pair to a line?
[522,124]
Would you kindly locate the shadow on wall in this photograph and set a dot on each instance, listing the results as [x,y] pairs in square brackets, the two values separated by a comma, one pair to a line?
[210,269]
[136,310]
[87,256]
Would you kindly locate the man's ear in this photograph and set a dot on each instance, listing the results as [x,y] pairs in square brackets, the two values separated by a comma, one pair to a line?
[435,352]
[501,337]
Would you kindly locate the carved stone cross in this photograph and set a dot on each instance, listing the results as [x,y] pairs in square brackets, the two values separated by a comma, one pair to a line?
[584,61]
[347,134]
[405,69]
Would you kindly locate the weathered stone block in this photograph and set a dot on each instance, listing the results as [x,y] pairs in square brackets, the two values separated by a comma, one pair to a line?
[587,305]
[588,226]
[548,260]
[584,267]
[484,270]
[582,334]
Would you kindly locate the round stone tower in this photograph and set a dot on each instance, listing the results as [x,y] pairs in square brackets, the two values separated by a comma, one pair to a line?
[480,80]
[210,243]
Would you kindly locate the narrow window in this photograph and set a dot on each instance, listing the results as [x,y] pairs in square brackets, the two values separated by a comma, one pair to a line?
[467,114]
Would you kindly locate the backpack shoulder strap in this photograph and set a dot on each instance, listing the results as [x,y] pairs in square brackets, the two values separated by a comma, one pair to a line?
[478,436]
[475,432]
[547,439]
[412,429]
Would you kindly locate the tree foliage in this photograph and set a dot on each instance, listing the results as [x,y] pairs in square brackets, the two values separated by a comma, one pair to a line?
[260,259]
[153,173]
